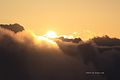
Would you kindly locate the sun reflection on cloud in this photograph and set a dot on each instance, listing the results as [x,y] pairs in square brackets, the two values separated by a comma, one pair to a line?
[45,39]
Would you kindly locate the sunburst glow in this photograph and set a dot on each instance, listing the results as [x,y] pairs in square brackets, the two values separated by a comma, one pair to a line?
[51,34]
[44,38]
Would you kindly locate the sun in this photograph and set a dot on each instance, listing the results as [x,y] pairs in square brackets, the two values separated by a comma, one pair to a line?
[51,34]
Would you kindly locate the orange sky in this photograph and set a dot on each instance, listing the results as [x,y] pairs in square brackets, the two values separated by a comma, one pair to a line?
[88,17]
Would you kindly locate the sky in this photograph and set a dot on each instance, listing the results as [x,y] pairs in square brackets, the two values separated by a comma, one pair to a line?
[87,17]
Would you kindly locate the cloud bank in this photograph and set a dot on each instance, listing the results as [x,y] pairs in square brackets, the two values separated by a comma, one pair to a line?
[23,57]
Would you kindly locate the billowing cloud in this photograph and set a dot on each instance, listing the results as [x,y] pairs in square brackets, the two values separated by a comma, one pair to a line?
[25,57]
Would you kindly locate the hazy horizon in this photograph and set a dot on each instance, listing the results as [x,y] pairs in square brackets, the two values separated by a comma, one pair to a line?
[88,18]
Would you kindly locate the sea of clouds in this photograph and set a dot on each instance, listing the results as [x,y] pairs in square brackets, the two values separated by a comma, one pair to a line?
[23,57]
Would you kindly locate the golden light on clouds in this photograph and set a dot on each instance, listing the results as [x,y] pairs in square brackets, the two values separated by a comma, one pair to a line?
[39,38]
[42,38]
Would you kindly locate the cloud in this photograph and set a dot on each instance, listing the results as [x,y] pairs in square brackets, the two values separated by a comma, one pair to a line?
[23,57]
[106,61]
